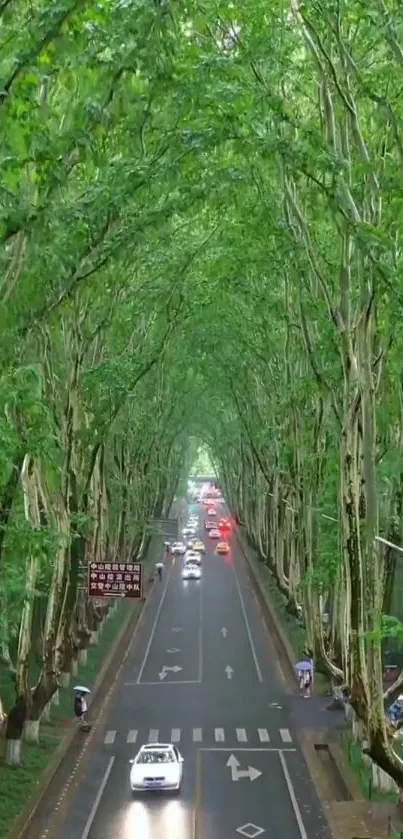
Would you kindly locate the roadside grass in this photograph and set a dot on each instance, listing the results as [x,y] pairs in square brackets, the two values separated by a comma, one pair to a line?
[288,622]
[17,785]
[362,771]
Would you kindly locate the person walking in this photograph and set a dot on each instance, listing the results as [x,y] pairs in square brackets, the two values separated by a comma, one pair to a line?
[80,710]
[159,566]
[307,684]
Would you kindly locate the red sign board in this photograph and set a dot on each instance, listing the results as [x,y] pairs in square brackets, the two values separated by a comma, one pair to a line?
[114,579]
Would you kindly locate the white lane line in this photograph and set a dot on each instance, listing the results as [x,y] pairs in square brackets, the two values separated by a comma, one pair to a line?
[285,735]
[175,735]
[98,797]
[293,797]
[197,735]
[263,735]
[241,735]
[219,735]
[110,737]
[132,736]
[245,617]
[153,735]
[201,635]
[163,682]
[154,627]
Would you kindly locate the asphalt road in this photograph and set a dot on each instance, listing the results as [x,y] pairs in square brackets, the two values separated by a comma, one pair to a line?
[200,673]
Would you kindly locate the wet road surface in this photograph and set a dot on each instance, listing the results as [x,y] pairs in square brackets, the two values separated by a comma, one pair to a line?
[200,674]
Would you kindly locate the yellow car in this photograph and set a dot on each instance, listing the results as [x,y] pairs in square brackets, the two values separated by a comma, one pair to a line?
[223,548]
[199,546]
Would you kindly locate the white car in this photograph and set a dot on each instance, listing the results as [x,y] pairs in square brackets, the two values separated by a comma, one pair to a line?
[156,766]
[214,534]
[193,556]
[178,548]
[191,571]
[189,531]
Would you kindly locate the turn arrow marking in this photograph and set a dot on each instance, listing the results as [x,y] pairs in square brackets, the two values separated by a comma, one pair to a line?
[229,671]
[165,670]
[237,773]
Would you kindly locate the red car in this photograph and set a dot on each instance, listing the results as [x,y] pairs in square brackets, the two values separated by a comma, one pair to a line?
[224,524]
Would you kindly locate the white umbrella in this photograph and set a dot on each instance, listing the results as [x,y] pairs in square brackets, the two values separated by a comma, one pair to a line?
[81,689]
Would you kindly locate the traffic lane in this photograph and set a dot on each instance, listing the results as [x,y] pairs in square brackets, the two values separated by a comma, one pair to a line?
[228,646]
[260,802]
[297,775]
[154,815]
[145,624]
[253,614]
[84,795]
[173,652]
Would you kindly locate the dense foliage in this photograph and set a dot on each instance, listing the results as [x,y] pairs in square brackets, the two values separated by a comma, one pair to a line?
[200,227]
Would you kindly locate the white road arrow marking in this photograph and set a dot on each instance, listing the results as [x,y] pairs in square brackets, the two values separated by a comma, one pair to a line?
[237,773]
[174,650]
[224,632]
[176,629]
[229,671]
[165,670]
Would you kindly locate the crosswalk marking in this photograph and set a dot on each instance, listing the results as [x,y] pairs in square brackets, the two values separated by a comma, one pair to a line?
[220,735]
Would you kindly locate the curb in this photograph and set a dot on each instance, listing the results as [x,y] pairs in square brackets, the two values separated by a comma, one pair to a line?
[270,616]
[23,821]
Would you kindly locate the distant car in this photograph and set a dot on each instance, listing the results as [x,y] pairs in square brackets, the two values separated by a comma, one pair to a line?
[209,525]
[189,531]
[193,556]
[199,546]
[224,524]
[157,766]
[178,548]
[223,548]
[214,534]
[211,511]
[191,571]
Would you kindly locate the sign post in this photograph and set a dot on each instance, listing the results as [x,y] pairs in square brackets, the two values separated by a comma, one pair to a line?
[115,579]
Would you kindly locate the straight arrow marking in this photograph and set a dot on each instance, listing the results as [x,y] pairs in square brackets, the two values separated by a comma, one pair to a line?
[229,671]
[224,632]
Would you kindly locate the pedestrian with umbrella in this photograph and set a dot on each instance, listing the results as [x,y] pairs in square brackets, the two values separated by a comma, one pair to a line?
[80,706]
[304,670]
